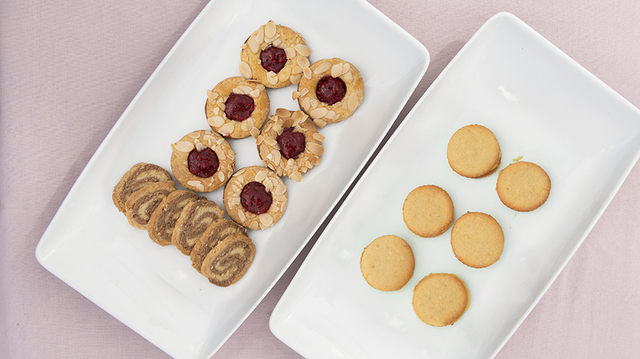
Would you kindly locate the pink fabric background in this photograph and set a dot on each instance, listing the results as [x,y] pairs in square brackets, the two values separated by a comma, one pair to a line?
[68,70]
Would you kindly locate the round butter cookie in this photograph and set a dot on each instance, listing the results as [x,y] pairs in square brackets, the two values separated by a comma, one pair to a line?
[202,161]
[477,239]
[473,151]
[137,177]
[255,197]
[523,186]
[387,263]
[428,211]
[440,299]
[274,55]
[330,91]
[236,107]
[290,144]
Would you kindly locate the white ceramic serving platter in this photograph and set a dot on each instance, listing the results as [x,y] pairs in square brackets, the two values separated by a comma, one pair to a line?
[153,289]
[542,106]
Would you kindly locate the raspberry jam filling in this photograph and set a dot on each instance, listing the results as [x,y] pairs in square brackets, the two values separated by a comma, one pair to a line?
[203,163]
[239,107]
[273,58]
[291,143]
[330,89]
[255,198]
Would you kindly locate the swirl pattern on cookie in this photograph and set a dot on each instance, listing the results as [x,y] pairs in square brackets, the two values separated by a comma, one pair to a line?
[284,153]
[194,220]
[137,177]
[217,231]
[164,218]
[274,55]
[330,91]
[141,204]
[229,260]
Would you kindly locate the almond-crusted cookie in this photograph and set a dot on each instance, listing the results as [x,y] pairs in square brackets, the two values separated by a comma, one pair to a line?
[164,217]
[290,144]
[330,91]
[255,197]
[141,204]
[523,186]
[428,211]
[229,260]
[473,151]
[215,232]
[193,221]
[440,299]
[477,239]
[237,107]
[137,177]
[387,263]
[202,161]
[274,55]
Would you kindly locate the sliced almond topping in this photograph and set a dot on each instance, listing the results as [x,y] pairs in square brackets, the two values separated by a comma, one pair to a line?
[296,70]
[272,78]
[264,151]
[291,52]
[297,116]
[306,104]
[296,176]
[261,175]
[314,103]
[221,155]
[348,77]
[346,67]
[277,42]
[353,102]
[243,126]
[318,136]
[318,112]
[315,148]
[226,129]
[260,35]
[253,44]
[244,89]
[269,141]
[183,146]
[210,139]
[194,183]
[266,219]
[284,74]
[295,95]
[336,70]
[221,176]
[319,123]
[270,29]
[287,123]
[307,73]
[215,121]
[303,50]
[276,156]
[302,61]
[295,79]
[212,96]
[323,67]
[194,135]
[254,132]
[331,115]
[200,146]
[255,93]
[268,185]
[282,112]
[304,91]
[241,215]
[245,69]
[280,189]
[280,197]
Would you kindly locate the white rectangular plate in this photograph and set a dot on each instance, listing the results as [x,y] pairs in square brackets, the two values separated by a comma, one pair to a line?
[153,289]
[541,105]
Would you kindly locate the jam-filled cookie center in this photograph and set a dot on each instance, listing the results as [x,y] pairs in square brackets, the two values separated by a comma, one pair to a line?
[203,163]
[239,107]
[255,198]
[273,58]
[291,143]
[330,90]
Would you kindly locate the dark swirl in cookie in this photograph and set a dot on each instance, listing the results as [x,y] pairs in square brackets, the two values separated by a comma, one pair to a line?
[229,260]
[194,220]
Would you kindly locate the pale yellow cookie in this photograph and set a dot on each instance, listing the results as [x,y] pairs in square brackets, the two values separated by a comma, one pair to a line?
[387,263]
[440,299]
[428,211]
[281,50]
[281,151]
[523,186]
[473,151]
[330,91]
[237,107]
[202,161]
[477,239]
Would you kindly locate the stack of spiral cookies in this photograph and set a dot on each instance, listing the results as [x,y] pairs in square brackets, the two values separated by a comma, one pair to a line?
[219,248]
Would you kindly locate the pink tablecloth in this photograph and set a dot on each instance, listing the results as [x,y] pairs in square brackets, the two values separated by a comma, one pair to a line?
[68,70]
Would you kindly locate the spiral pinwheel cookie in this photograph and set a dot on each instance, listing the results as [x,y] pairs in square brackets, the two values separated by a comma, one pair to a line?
[137,177]
[202,161]
[290,144]
[229,260]
[193,221]
[164,217]
[330,91]
[215,232]
[275,55]
[237,107]
[255,197]
[141,204]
